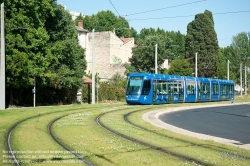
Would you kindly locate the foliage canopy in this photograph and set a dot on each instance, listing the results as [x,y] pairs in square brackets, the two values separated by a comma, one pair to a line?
[201,38]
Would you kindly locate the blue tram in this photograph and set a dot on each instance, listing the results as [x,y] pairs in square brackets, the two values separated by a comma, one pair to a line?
[146,88]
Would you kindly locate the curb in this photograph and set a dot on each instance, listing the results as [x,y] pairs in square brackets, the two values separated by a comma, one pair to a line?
[153,118]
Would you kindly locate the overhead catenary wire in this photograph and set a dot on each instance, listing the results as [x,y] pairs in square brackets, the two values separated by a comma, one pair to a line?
[114,7]
[170,17]
[148,11]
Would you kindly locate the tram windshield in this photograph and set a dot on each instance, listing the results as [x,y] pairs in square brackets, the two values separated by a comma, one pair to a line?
[134,85]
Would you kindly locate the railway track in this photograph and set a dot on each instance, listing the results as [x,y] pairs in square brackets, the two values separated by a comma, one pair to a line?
[134,140]
[129,112]
[79,157]
[10,150]
[9,147]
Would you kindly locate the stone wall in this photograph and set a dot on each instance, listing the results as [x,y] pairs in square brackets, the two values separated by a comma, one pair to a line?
[110,54]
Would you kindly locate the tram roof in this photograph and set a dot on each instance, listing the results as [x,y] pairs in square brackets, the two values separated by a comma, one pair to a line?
[176,77]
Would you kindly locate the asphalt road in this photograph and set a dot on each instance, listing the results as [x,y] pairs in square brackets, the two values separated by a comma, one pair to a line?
[230,122]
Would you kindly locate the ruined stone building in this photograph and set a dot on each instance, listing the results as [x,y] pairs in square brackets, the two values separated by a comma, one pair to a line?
[110,51]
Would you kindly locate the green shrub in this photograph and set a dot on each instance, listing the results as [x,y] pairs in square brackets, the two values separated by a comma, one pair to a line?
[106,91]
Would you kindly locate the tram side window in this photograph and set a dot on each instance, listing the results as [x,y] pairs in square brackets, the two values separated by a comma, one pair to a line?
[225,89]
[204,88]
[159,87]
[215,89]
[231,89]
[146,87]
[155,86]
[201,87]
[162,87]
[176,88]
[169,87]
[165,87]
[207,88]
[180,87]
[191,88]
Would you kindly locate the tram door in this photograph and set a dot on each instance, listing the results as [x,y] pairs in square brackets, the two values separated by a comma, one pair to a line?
[177,91]
[181,91]
[154,90]
[170,91]
[200,90]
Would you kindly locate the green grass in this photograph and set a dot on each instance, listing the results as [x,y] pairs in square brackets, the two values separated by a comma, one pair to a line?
[104,148]
[79,131]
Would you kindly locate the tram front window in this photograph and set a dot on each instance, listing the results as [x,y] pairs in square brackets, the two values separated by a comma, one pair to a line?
[134,86]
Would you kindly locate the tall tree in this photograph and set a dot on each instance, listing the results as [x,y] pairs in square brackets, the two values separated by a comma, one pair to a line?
[178,45]
[222,65]
[241,46]
[240,52]
[66,55]
[41,41]
[177,40]
[170,46]
[26,41]
[201,38]
[228,54]
[143,58]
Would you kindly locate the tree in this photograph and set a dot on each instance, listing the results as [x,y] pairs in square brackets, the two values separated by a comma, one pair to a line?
[108,21]
[241,47]
[66,55]
[170,46]
[178,44]
[240,53]
[26,42]
[41,42]
[143,58]
[180,67]
[202,38]
[222,65]
[228,54]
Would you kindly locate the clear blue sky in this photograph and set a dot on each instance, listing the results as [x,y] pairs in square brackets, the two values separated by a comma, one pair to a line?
[172,15]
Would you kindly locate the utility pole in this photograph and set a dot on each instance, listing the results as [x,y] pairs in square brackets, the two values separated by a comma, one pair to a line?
[155,58]
[97,87]
[241,79]
[228,69]
[34,92]
[245,80]
[93,67]
[2,62]
[196,68]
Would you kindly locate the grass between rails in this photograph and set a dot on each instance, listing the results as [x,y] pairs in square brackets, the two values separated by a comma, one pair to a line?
[112,150]
[104,148]
[80,132]
[10,117]
[31,136]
